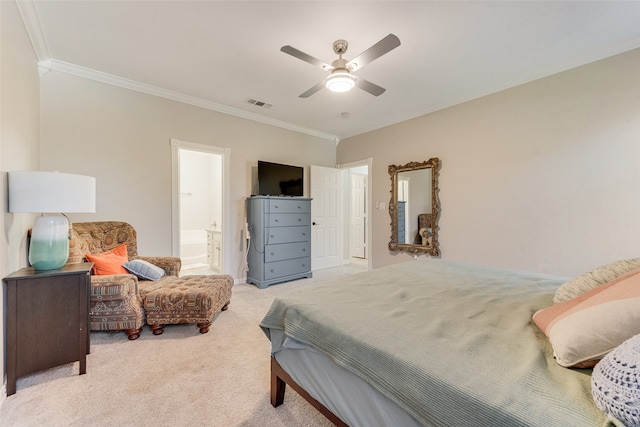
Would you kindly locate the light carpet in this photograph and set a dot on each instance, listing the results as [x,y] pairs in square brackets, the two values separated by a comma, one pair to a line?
[179,378]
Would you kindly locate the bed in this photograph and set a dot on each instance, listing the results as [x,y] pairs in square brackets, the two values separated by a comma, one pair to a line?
[427,342]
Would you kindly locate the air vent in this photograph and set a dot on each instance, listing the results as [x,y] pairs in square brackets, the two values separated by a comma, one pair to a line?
[259,103]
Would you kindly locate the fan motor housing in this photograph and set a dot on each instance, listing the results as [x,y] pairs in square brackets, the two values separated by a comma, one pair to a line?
[340,64]
[340,46]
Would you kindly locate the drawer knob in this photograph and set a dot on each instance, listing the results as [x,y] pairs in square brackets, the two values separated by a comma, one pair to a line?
[299,219]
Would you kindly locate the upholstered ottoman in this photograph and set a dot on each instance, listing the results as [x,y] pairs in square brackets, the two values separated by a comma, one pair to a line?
[187,299]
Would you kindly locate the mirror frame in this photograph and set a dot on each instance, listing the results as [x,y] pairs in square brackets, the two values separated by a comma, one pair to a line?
[433,250]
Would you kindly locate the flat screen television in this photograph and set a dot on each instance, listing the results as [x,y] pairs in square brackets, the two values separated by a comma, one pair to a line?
[275,179]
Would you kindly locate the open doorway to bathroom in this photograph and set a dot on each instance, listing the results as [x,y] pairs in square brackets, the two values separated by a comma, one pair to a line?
[198,207]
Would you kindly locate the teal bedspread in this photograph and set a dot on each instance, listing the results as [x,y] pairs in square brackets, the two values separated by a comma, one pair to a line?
[451,343]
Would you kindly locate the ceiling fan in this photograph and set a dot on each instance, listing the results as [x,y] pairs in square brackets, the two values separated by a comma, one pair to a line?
[342,78]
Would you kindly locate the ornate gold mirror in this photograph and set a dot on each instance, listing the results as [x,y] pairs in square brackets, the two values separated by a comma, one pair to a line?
[414,207]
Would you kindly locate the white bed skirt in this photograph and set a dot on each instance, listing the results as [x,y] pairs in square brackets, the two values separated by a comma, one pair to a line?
[346,395]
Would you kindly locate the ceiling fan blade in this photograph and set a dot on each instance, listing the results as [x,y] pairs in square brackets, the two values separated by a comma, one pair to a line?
[385,45]
[367,86]
[307,58]
[313,90]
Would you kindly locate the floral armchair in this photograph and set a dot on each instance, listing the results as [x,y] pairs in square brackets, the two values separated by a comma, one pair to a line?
[116,303]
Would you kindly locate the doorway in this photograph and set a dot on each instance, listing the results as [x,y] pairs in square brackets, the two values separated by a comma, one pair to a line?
[341,230]
[199,206]
[358,216]
[357,200]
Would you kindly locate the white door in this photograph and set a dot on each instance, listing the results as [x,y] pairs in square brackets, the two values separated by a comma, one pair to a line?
[358,215]
[326,232]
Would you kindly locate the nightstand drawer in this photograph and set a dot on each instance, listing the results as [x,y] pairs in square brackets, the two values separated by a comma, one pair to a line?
[286,251]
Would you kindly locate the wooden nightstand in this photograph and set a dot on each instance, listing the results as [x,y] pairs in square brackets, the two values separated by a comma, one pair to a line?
[47,318]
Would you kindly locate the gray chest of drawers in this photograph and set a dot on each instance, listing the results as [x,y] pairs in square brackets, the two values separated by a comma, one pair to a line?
[280,243]
[401,225]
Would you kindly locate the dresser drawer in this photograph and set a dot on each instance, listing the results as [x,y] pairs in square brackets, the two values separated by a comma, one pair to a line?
[287,268]
[286,251]
[276,235]
[288,206]
[288,219]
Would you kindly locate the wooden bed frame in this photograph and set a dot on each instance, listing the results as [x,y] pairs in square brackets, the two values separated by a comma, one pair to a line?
[279,381]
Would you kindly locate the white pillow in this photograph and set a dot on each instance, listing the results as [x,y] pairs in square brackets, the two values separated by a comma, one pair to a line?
[615,383]
[594,278]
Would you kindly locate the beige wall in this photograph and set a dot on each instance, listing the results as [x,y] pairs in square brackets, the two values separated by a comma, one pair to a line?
[122,137]
[19,136]
[542,177]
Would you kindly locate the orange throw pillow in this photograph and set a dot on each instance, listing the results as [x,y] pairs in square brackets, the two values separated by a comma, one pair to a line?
[109,262]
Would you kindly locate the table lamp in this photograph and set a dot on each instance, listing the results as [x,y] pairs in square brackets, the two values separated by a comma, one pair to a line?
[51,194]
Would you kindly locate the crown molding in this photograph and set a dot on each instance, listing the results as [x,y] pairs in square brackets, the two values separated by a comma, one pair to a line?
[34,30]
[47,64]
[65,67]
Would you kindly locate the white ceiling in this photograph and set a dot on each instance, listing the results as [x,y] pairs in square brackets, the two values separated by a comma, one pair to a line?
[219,54]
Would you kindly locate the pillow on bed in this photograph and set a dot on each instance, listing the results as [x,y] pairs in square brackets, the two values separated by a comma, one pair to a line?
[109,262]
[144,269]
[584,329]
[594,278]
[615,383]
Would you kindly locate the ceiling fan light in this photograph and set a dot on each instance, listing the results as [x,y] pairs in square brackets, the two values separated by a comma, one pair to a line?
[340,82]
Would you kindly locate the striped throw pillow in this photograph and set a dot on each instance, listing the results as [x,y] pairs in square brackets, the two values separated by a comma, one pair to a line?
[584,329]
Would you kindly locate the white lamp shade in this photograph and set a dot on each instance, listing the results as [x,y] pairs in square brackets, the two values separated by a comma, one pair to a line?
[37,191]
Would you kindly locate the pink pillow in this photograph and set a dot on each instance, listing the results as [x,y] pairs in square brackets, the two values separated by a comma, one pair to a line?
[583,329]
[109,262]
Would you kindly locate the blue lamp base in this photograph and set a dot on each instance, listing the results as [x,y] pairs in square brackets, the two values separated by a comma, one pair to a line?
[49,246]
